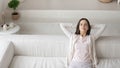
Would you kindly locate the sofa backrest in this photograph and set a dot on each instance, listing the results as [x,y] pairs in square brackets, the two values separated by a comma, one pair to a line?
[40,45]
[108,47]
[57,45]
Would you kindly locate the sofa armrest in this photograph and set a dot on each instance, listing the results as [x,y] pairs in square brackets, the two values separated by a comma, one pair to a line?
[6,53]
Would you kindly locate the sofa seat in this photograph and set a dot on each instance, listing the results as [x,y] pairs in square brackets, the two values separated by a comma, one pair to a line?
[109,63]
[55,62]
[38,62]
[47,51]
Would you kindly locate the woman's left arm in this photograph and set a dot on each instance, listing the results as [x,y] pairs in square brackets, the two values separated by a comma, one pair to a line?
[100,28]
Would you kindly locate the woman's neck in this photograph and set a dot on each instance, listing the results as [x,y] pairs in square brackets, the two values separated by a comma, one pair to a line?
[83,34]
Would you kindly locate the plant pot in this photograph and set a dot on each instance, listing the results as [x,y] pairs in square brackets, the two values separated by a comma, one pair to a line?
[105,1]
[15,15]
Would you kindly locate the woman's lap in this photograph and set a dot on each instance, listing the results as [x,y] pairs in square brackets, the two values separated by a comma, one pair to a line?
[80,65]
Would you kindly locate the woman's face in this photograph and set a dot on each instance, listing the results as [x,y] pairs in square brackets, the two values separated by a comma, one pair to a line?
[83,27]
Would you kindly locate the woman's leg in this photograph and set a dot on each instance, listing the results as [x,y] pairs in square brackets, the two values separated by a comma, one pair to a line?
[87,65]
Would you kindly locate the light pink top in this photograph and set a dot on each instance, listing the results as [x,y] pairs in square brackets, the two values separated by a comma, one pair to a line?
[82,49]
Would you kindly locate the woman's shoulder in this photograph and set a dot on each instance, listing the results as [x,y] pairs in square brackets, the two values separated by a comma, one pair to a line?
[92,37]
[74,35]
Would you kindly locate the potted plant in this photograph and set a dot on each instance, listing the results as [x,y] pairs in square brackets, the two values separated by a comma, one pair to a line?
[14,4]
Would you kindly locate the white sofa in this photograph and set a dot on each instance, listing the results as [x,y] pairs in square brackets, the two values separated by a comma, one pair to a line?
[49,51]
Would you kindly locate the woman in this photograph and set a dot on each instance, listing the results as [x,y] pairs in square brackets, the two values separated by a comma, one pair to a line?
[82,52]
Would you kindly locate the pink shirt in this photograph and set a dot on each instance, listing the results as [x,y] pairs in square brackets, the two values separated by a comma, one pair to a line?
[82,49]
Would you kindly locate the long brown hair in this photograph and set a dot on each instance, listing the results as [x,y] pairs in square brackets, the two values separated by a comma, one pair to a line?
[77,28]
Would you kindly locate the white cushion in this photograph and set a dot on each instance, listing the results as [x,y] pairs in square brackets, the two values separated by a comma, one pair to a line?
[41,45]
[55,62]
[57,45]
[108,47]
[6,53]
[38,62]
[109,63]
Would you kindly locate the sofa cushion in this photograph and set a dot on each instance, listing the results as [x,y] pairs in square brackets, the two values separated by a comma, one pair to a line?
[55,62]
[109,63]
[38,62]
[6,53]
[108,47]
[40,45]
[57,45]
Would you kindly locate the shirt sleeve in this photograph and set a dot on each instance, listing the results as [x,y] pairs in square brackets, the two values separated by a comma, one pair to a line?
[71,51]
[94,56]
[93,53]
[65,28]
[99,30]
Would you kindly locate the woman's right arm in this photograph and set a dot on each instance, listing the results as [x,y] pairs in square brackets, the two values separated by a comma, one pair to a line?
[71,51]
[65,28]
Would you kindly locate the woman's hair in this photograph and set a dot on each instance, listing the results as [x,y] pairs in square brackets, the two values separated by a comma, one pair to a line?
[78,30]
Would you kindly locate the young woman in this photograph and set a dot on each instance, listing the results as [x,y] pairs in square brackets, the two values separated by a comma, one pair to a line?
[82,52]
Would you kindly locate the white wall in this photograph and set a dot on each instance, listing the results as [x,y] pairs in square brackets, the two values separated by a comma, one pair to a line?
[37,14]
[1,5]
[47,21]
[54,29]
[4,8]
[1,9]
[69,15]
[66,5]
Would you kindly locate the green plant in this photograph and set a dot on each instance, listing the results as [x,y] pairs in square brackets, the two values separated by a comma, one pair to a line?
[13,4]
